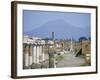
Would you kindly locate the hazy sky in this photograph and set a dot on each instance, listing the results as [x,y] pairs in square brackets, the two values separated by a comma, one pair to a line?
[33,19]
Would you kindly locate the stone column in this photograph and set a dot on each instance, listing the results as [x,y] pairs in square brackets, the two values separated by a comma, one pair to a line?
[43,56]
[34,54]
[37,54]
[24,47]
[40,53]
[26,56]
[30,55]
[51,60]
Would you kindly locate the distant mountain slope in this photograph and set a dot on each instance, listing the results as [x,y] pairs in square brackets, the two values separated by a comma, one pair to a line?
[61,29]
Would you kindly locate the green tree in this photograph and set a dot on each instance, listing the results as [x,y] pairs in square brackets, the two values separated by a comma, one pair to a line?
[82,38]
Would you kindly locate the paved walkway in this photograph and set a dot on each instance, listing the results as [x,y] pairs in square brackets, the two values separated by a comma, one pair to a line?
[70,60]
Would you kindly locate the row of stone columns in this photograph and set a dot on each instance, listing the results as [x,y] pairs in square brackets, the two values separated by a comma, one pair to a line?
[32,54]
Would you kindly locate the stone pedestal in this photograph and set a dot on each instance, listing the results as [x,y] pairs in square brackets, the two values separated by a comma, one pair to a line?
[51,60]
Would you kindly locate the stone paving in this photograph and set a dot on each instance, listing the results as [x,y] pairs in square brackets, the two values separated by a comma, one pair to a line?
[70,60]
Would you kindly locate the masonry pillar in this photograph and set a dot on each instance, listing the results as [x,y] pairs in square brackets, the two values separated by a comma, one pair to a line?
[26,56]
[40,53]
[37,54]
[43,55]
[34,54]
[51,60]
[30,55]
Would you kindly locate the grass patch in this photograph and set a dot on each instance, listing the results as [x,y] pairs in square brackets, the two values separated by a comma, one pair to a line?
[83,64]
[59,57]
